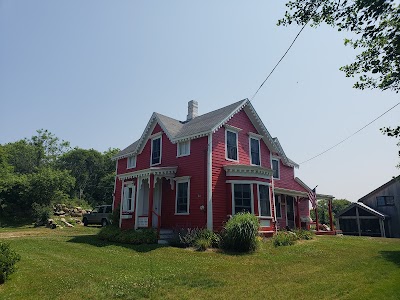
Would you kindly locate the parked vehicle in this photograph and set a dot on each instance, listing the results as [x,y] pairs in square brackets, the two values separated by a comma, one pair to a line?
[100,215]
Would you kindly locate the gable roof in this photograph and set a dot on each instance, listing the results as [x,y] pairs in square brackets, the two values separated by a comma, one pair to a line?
[364,207]
[390,182]
[203,125]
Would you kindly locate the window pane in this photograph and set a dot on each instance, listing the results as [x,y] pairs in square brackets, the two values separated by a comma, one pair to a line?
[182,198]
[242,198]
[231,145]
[380,201]
[255,151]
[265,206]
[156,151]
[275,168]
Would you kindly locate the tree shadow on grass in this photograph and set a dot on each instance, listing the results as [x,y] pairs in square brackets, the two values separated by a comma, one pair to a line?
[392,256]
[93,240]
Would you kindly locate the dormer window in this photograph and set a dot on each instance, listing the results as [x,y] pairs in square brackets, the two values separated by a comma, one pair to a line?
[275,167]
[183,148]
[131,162]
[156,151]
[231,145]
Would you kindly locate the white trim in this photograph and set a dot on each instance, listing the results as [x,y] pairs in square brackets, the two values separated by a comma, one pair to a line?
[226,144]
[246,182]
[259,150]
[185,179]
[157,136]
[251,195]
[279,167]
[248,171]
[177,149]
[255,135]
[127,162]
[259,202]
[138,186]
[209,184]
[232,128]
[182,178]
[291,192]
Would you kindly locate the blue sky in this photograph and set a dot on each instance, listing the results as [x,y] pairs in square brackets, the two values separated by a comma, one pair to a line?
[92,72]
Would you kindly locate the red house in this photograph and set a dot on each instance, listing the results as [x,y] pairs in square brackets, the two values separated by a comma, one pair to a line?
[199,172]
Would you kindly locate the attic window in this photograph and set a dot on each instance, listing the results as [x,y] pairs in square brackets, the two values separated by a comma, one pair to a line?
[384,201]
[231,145]
[255,151]
[183,148]
[131,162]
[275,167]
[156,151]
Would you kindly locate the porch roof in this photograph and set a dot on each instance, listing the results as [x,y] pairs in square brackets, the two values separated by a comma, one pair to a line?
[168,172]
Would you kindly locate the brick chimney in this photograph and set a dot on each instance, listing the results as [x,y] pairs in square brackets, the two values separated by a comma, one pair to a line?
[193,107]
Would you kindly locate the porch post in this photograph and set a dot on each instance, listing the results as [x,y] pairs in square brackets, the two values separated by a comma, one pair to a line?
[151,193]
[330,214]
[298,212]
[382,226]
[358,222]
[316,214]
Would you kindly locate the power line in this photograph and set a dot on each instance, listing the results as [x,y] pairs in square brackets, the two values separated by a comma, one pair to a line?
[269,75]
[342,141]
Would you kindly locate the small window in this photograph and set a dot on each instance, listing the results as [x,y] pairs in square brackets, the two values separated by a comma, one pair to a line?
[385,201]
[242,198]
[156,151]
[278,206]
[129,194]
[183,148]
[265,205]
[275,167]
[182,197]
[255,151]
[231,145]
[131,162]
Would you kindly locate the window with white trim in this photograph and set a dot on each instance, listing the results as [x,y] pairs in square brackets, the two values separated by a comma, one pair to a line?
[275,168]
[183,148]
[131,162]
[156,151]
[255,151]
[231,145]
[129,198]
[242,198]
[182,197]
[278,206]
[263,197]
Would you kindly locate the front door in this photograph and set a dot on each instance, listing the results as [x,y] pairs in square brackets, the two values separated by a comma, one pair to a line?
[290,212]
[157,203]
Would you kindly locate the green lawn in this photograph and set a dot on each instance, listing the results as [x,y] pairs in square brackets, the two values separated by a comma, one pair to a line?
[73,264]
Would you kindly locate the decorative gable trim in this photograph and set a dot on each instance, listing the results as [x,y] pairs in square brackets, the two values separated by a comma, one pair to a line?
[234,112]
[248,171]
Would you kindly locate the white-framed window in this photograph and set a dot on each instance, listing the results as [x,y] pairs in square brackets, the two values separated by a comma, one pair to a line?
[183,148]
[131,162]
[264,201]
[156,148]
[278,206]
[128,198]
[182,199]
[275,167]
[231,142]
[255,155]
[242,198]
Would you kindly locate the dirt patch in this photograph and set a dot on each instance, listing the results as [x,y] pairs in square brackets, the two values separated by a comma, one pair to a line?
[18,234]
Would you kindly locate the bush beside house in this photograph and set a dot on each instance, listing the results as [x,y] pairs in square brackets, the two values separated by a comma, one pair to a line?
[8,258]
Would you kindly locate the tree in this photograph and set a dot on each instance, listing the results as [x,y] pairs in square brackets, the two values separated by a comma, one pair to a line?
[376,24]
[323,210]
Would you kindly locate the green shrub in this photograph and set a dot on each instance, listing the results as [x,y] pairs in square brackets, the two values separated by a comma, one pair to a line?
[284,238]
[202,244]
[128,236]
[8,258]
[304,234]
[189,237]
[41,213]
[240,233]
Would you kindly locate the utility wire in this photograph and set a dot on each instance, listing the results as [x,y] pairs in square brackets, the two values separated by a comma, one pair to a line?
[269,75]
[342,141]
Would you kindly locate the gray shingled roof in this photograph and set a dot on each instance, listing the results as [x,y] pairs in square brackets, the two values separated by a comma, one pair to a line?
[181,129]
